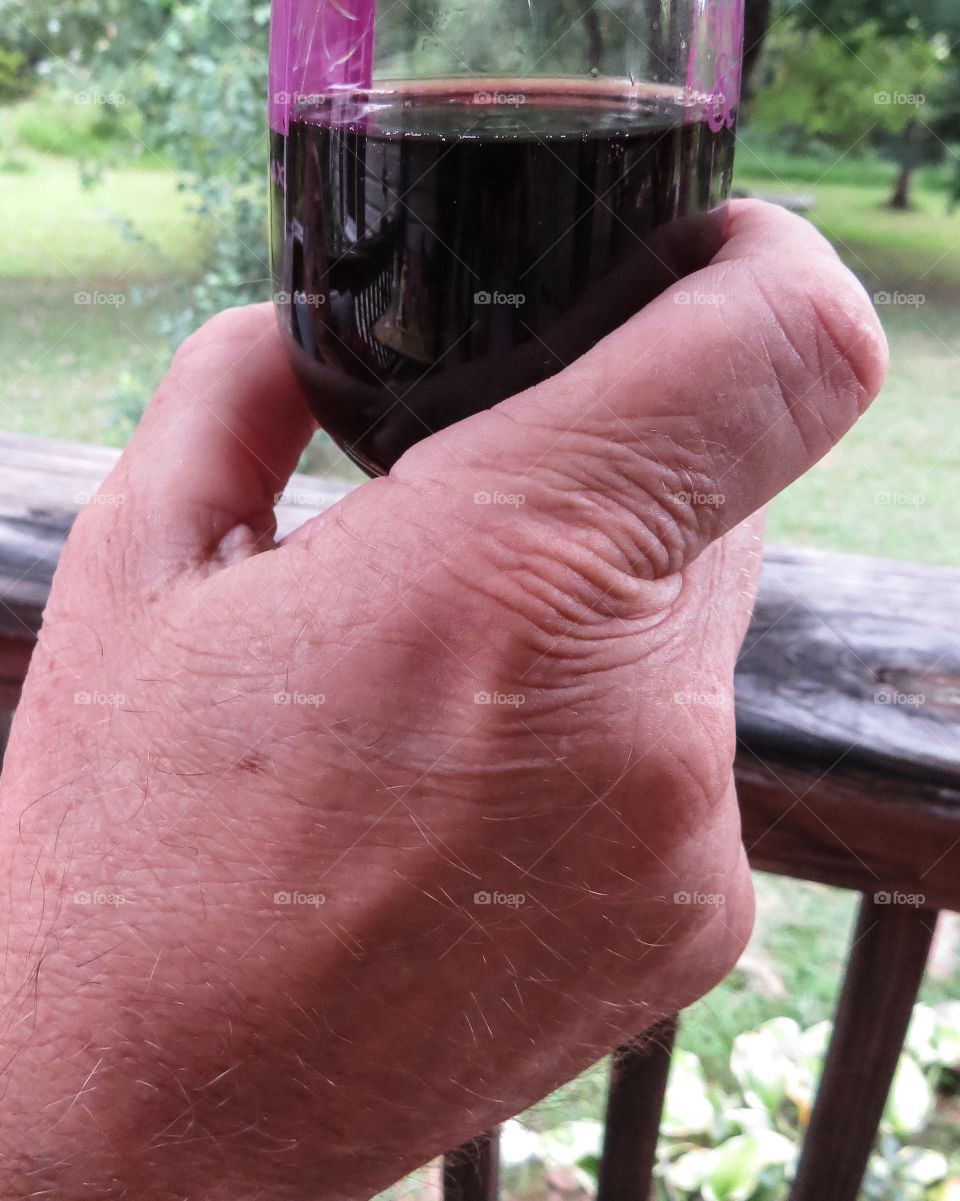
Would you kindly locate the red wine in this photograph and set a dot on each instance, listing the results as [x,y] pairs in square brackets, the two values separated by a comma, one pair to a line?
[435,253]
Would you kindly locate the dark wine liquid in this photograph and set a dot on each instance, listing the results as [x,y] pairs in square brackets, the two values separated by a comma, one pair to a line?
[434,255]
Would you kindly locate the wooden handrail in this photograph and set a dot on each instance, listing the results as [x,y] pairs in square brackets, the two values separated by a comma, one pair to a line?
[848,773]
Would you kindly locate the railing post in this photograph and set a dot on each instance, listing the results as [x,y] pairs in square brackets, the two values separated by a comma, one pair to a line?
[472,1172]
[638,1082]
[884,972]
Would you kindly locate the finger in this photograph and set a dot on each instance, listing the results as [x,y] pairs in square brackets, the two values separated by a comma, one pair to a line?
[218,442]
[693,414]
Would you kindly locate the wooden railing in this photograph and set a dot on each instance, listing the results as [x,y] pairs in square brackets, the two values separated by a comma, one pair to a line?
[848,772]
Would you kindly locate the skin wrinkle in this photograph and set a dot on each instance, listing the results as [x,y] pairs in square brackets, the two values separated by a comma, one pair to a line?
[208,1042]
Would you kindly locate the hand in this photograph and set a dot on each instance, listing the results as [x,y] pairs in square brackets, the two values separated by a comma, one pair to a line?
[370,839]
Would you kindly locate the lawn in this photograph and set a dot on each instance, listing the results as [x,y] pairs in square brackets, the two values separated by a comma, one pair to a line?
[78,371]
[131,227]
[890,487]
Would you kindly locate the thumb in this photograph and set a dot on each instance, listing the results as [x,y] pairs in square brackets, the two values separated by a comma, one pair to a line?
[692,415]
[199,479]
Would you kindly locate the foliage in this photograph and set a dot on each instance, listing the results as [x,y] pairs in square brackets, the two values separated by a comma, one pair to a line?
[891,17]
[55,123]
[743,1145]
[192,77]
[14,75]
[816,83]
[905,52]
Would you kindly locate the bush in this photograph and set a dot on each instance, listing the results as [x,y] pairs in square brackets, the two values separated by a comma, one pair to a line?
[15,76]
[84,125]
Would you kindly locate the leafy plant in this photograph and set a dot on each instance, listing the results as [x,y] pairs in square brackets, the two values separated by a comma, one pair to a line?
[742,1145]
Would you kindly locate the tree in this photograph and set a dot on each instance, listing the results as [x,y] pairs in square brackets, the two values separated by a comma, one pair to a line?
[923,37]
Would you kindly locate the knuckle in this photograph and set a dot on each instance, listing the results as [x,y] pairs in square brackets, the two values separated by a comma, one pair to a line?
[631,511]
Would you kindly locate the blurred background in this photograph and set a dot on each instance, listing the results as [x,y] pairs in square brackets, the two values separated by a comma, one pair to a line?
[133,158]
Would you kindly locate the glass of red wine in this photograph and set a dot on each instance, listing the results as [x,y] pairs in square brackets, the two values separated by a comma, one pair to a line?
[466,195]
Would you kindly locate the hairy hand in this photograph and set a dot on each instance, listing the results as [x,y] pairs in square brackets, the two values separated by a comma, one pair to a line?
[367,840]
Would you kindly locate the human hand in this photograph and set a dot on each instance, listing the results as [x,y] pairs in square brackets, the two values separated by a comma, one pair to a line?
[303,719]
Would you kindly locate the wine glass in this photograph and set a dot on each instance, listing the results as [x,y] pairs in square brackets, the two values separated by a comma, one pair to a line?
[466,195]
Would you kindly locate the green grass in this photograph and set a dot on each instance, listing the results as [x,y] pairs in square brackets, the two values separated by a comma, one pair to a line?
[887,249]
[65,368]
[69,369]
[890,487]
[60,230]
[88,124]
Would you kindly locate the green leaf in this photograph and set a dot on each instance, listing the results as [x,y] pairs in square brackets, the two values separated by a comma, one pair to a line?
[910,1101]
[764,1062]
[689,1172]
[741,1162]
[920,1165]
[736,1170]
[687,1109]
[947,1036]
[564,1145]
[921,1035]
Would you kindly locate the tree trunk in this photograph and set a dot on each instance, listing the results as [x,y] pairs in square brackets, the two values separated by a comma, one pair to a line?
[910,158]
[756,22]
[901,198]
